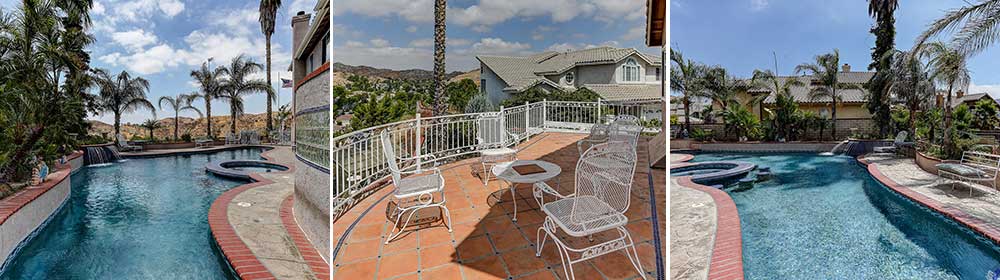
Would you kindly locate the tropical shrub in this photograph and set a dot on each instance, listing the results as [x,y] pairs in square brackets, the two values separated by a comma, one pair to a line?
[741,123]
[985,115]
[701,135]
[900,118]
[186,137]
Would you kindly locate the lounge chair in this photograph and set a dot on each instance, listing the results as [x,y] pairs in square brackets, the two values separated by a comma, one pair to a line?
[899,142]
[124,146]
[975,167]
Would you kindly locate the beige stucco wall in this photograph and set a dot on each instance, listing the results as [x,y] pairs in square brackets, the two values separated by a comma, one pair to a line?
[844,110]
[312,185]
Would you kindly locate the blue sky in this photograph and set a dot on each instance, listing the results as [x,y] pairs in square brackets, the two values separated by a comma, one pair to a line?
[163,40]
[398,34]
[741,34]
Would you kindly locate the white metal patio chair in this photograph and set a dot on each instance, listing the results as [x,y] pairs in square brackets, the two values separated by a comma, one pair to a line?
[123,144]
[603,189]
[624,127]
[493,140]
[414,192]
[975,167]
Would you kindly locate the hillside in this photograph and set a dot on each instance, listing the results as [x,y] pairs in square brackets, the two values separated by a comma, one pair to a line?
[372,72]
[195,127]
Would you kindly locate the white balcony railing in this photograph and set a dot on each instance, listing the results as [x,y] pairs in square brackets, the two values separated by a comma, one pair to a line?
[358,161]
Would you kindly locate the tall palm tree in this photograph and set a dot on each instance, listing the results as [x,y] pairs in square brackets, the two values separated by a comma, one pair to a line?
[239,84]
[825,71]
[686,77]
[122,94]
[878,100]
[947,66]
[440,104]
[268,14]
[974,26]
[210,86]
[910,82]
[178,104]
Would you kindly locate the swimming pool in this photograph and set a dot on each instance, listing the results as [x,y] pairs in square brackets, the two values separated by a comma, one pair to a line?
[136,219]
[823,217]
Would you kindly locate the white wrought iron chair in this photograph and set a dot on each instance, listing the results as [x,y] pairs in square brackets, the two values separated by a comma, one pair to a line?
[603,189]
[623,128]
[493,140]
[413,192]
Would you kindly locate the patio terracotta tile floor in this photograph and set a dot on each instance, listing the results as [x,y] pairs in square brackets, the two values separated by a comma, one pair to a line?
[485,242]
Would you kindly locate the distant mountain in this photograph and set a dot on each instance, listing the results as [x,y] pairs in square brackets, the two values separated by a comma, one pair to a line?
[411,74]
[195,127]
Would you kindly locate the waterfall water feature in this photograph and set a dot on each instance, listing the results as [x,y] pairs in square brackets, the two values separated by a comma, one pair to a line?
[100,155]
[837,148]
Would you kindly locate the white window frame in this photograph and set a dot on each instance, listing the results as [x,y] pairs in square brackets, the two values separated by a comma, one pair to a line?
[570,78]
[631,72]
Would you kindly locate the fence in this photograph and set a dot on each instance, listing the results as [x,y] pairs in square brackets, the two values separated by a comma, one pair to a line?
[359,165]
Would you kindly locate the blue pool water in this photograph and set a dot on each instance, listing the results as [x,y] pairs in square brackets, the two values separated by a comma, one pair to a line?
[823,217]
[136,219]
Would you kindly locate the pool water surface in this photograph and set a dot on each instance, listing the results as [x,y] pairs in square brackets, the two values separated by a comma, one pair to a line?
[825,217]
[135,219]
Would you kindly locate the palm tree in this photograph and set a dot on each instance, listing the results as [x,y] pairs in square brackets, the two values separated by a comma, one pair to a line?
[910,83]
[686,77]
[122,94]
[238,84]
[782,91]
[825,72]
[150,125]
[975,27]
[947,66]
[722,89]
[178,104]
[210,86]
[440,104]
[268,14]
[878,99]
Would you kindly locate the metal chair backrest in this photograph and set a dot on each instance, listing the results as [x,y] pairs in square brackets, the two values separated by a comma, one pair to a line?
[986,162]
[390,157]
[492,132]
[606,171]
[625,130]
[901,137]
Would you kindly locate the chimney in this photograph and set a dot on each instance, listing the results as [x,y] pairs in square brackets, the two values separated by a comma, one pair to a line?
[300,27]
[847,67]
[961,93]
[940,100]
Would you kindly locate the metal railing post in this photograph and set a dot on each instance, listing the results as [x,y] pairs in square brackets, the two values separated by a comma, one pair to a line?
[545,114]
[420,144]
[527,116]
[599,116]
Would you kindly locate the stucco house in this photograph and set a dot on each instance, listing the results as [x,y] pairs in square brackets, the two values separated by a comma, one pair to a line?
[617,74]
[851,105]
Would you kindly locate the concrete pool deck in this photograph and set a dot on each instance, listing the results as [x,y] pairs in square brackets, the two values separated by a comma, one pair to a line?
[980,211]
[254,227]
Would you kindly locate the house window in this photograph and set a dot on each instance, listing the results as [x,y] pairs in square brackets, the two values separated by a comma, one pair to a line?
[630,71]
[569,78]
[482,85]
[658,73]
[326,43]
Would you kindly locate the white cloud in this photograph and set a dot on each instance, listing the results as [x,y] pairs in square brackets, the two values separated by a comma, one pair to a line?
[635,33]
[354,44]
[498,46]
[458,42]
[757,5]
[537,37]
[379,43]
[482,15]
[423,43]
[993,90]
[171,7]
[241,21]
[97,9]
[561,47]
[134,39]
[411,10]
[411,29]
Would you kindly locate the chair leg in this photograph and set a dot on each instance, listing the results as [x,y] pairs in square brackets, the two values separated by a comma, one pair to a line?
[634,255]
[540,236]
[513,200]
[486,174]
[400,231]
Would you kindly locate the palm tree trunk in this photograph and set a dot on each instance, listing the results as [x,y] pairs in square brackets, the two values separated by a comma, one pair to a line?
[232,119]
[912,122]
[439,54]
[267,57]
[947,119]
[833,117]
[118,121]
[176,115]
[208,116]
[687,113]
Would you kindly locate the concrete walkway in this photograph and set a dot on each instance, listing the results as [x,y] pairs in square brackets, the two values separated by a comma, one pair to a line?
[982,204]
[692,232]
[210,149]
[255,215]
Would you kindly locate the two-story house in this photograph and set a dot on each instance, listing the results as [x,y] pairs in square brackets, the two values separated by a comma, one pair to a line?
[617,74]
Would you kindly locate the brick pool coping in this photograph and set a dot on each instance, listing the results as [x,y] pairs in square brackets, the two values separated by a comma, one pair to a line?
[308,252]
[727,251]
[236,252]
[979,226]
[683,158]
[11,204]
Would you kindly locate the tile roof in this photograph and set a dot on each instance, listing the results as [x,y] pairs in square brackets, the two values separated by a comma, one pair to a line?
[626,92]
[521,73]
[967,98]
[801,93]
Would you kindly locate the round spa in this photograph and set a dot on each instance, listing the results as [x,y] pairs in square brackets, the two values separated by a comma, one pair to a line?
[241,169]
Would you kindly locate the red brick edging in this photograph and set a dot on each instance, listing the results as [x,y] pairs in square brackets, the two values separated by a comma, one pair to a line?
[236,252]
[319,266]
[979,226]
[313,74]
[11,204]
[727,253]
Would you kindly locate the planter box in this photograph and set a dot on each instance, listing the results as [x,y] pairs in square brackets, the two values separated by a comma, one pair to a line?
[928,163]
